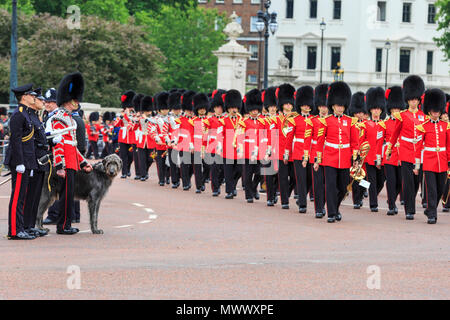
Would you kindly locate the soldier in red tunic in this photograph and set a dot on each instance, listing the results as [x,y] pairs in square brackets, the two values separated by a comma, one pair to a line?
[409,137]
[201,105]
[125,124]
[67,159]
[436,150]
[144,151]
[340,143]
[93,133]
[304,102]
[175,113]
[392,169]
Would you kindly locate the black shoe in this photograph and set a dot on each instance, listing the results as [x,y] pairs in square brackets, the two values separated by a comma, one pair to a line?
[229,196]
[409,216]
[311,199]
[235,193]
[295,196]
[75,220]
[143,179]
[262,191]
[339,217]
[374,209]
[391,212]
[48,221]
[256,196]
[198,191]
[207,181]
[124,176]
[137,178]
[162,184]
[276,200]
[302,210]
[402,203]
[366,194]
[357,206]
[146,177]
[22,236]
[395,210]
[445,209]
[68,231]
[187,188]
[128,174]
[424,205]
[40,232]
[167,181]
[319,215]
[32,232]
[249,200]
[285,206]
[331,220]
[202,188]
[175,185]
[215,194]
[270,203]
[432,221]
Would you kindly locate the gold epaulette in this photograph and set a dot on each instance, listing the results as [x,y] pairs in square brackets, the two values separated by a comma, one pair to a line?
[420,126]
[398,116]
[448,125]
[354,121]
[323,121]
[382,124]
[242,124]
[262,121]
[309,122]
[206,121]
[177,120]
[222,121]
[191,121]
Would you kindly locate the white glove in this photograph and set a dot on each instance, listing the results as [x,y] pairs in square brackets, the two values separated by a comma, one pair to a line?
[57,139]
[20,168]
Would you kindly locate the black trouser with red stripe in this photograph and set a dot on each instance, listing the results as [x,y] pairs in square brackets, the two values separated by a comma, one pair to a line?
[252,176]
[174,169]
[410,186]
[393,184]
[319,189]
[303,179]
[233,171]
[127,157]
[376,178]
[270,178]
[336,181]
[66,202]
[217,173]
[200,170]
[357,193]
[286,180]
[19,187]
[32,199]
[187,160]
[435,185]
[161,165]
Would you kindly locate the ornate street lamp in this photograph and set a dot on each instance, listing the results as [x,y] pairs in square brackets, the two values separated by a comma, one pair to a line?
[387,46]
[266,21]
[323,26]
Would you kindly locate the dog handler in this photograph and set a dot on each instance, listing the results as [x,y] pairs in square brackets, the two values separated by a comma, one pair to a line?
[67,159]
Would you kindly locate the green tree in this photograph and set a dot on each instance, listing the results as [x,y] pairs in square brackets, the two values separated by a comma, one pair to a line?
[113,57]
[187,37]
[443,19]
[135,6]
[23,6]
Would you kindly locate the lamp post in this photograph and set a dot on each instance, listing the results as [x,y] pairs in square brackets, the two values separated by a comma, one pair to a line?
[266,21]
[387,46]
[323,26]
[13,73]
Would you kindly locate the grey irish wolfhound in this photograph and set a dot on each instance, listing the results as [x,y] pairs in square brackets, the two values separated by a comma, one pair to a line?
[91,187]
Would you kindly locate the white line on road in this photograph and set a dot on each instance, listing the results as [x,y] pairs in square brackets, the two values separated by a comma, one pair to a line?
[138,204]
[153,216]
[85,231]
[149,210]
[124,226]
[145,221]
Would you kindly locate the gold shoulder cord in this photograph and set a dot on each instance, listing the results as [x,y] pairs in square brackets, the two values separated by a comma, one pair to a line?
[28,137]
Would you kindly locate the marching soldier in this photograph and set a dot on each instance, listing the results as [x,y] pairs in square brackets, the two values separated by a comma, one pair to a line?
[252,136]
[215,141]
[375,131]
[201,106]
[232,168]
[408,136]
[21,159]
[125,141]
[436,150]
[316,125]
[285,126]
[106,134]
[136,134]
[161,137]
[340,144]
[66,157]
[144,151]
[444,117]
[175,109]
[358,110]
[304,102]
[270,163]
[93,133]
[392,169]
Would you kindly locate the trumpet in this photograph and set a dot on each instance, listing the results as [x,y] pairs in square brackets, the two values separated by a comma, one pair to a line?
[357,173]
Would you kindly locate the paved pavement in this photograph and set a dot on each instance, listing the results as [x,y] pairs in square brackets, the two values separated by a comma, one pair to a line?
[161,243]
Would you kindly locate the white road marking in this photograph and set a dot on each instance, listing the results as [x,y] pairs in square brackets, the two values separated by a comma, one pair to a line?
[149,210]
[153,216]
[124,226]
[145,221]
[138,204]
[85,231]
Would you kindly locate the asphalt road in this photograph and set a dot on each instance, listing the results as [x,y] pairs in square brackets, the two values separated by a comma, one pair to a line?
[161,243]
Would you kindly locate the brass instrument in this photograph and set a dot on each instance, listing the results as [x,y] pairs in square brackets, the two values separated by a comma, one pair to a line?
[358,173]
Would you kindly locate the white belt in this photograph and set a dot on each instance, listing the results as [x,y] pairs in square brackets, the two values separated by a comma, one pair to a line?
[411,140]
[71,143]
[313,141]
[299,140]
[183,135]
[198,136]
[249,140]
[437,149]
[337,146]
[212,137]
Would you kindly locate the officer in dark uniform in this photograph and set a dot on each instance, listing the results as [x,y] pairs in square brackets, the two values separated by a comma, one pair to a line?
[41,148]
[21,159]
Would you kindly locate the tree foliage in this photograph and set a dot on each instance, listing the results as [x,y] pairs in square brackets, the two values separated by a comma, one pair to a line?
[112,57]
[443,19]
[186,36]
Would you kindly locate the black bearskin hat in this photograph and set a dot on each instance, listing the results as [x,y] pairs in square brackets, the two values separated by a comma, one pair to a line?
[253,101]
[434,100]
[376,98]
[357,104]
[200,101]
[339,93]
[268,97]
[70,88]
[94,116]
[147,104]
[395,99]
[216,98]
[304,96]
[186,100]
[174,100]
[161,101]
[127,99]
[3,111]
[413,88]
[285,95]
[232,99]
[107,116]
[137,102]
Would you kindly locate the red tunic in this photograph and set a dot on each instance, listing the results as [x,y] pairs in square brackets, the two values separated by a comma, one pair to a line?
[295,143]
[251,137]
[285,126]
[373,132]
[200,137]
[215,133]
[390,127]
[435,145]
[229,144]
[314,127]
[185,133]
[125,125]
